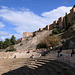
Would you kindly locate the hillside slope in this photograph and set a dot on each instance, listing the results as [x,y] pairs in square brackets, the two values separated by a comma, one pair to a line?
[69,33]
[68,38]
[31,42]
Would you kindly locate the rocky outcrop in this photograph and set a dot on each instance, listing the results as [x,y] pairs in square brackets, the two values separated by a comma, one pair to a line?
[69,38]
[69,44]
[69,33]
[31,42]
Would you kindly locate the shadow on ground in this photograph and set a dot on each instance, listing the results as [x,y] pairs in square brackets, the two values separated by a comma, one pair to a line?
[52,67]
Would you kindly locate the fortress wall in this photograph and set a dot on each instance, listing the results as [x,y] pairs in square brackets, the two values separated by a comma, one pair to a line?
[51,26]
[27,34]
[59,23]
[47,27]
[40,29]
[72,14]
[64,22]
[55,22]
[61,20]
[44,28]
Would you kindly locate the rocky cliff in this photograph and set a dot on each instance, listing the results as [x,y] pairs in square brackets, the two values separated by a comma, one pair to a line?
[31,42]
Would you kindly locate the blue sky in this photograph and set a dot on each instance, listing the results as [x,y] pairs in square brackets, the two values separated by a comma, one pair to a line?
[18,16]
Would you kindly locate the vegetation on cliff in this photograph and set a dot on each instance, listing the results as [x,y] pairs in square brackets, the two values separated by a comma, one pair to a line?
[54,39]
[49,41]
[57,31]
[11,48]
[67,22]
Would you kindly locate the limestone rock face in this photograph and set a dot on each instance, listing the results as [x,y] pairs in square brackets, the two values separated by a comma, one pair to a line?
[31,42]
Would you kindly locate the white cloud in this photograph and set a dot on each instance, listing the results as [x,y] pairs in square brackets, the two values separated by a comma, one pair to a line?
[27,21]
[23,20]
[1,25]
[56,13]
[6,35]
[16,35]
[2,38]
[3,33]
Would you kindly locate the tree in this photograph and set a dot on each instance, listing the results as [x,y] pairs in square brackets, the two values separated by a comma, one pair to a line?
[1,44]
[13,40]
[4,45]
[11,49]
[67,21]
[7,42]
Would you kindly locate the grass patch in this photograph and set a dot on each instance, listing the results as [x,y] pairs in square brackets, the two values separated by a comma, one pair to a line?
[11,49]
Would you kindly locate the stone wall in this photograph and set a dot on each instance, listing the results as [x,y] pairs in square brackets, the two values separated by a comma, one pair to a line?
[46,28]
[72,14]
[27,34]
[61,21]
[40,29]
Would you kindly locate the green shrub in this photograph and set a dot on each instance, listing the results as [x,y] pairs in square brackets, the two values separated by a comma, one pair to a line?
[49,41]
[50,34]
[55,31]
[62,30]
[11,49]
[41,45]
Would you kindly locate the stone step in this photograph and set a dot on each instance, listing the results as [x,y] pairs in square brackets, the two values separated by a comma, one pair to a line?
[32,66]
[39,67]
[37,64]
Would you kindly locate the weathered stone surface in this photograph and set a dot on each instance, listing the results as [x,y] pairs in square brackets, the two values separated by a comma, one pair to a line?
[27,34]
[31,42]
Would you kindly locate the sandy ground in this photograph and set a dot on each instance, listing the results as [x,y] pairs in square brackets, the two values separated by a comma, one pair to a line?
[11,64]
[19,54]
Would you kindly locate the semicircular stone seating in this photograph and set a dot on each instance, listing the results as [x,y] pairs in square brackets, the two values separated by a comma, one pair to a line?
[43,67]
